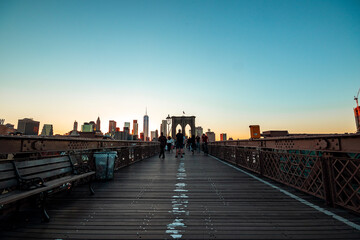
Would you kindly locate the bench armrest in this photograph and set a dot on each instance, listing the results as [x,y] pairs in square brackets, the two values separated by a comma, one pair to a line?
[31,183]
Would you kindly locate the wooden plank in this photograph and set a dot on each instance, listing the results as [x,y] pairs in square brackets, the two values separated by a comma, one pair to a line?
[8,183]
[33,163]
[17,195]
[51,173]
[35,170]
[6,166]
[6,175]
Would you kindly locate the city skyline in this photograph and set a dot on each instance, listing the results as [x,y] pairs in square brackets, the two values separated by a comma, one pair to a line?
[283,65]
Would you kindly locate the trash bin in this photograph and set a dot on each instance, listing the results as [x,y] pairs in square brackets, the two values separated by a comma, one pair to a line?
[104,162]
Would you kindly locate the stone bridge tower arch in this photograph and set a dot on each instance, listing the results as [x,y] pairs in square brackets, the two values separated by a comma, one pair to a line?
[183,121]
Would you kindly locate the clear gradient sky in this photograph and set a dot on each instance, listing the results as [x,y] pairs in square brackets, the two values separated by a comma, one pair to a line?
[291,65]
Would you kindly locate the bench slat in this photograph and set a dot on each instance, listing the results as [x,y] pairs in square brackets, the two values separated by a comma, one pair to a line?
[17,195]
[27,172]
[33,163]
[6,166]
[53,173]
[8,183]
[7,175]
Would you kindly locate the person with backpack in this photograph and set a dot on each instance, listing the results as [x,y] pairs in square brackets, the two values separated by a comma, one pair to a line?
[179,144]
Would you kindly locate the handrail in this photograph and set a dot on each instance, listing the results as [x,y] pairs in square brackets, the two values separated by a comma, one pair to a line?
[332,176]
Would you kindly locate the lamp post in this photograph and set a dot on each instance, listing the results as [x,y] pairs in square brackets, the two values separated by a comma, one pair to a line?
[168,119]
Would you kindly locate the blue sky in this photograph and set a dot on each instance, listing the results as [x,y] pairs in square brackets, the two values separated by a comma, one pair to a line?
[282,64]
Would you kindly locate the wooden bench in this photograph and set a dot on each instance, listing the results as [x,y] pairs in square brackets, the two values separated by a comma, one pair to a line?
[24,179]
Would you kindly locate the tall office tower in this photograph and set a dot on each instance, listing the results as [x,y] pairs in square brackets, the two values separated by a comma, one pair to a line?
[135,128]
[127,125]
[146,127]
[75,126]
[223,137]
[98,125]
[112,126]
[211,136]
[47,130]
[199,131]
[163,127]
[126,133]
[28,126]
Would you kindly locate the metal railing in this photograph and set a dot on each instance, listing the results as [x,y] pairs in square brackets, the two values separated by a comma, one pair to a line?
[332,176]
[81,149]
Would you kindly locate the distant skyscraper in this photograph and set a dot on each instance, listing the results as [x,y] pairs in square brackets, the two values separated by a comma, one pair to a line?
[87,127]
[146,127]
[47,130]
[127,125]
[211,136]
[93,125]
[199,131]
[28,126]
[223,137]
[98,125]
[135,128]
[142,136]
[112,126]
[163,127]
[153,135]
[75,126]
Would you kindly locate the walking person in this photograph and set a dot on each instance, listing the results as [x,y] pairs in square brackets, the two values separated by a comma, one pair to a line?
[169,142]
[204,139]
[197,143]
[192,144]
[162,140]
[179,144]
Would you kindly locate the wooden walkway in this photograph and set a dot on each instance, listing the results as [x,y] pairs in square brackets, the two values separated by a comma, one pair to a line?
[196,197]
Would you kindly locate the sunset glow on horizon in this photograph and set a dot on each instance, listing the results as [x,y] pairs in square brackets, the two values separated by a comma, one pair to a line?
[283,65]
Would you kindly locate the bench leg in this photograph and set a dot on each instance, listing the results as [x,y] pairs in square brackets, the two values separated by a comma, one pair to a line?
[43,199]
[92,192]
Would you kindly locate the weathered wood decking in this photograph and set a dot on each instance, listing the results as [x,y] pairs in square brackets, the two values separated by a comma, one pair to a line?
[196,197]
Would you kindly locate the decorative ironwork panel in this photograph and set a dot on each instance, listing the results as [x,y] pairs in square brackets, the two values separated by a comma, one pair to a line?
[346,173]
[248,158]
[123,157]
[229,154]
[299,170]
[138,153]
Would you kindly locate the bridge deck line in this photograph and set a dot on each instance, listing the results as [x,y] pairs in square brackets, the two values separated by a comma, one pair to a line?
[195,197]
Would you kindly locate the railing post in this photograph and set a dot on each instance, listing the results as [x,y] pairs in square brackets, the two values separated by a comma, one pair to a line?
[328,178]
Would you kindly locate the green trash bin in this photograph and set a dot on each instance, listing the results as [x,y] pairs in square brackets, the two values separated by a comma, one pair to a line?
[104,162]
